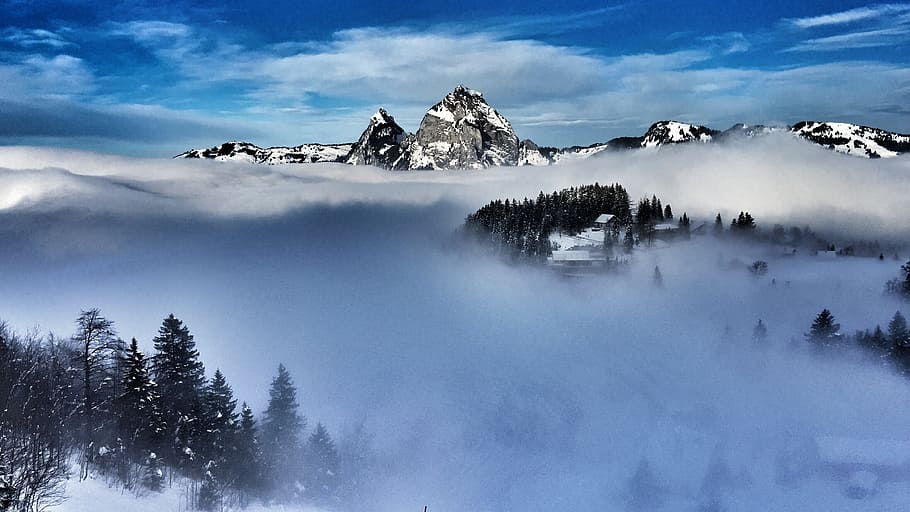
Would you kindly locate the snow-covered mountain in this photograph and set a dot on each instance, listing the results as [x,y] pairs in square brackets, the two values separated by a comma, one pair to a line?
[245,151]
[379,144]
[662,133]
[853,139]
[464,132]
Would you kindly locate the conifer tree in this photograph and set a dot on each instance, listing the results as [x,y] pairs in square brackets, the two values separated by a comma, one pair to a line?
[759,332]
[718,225]
[658,278]
[219,430]
[141,422]
[180,376]
[246,465]
[281,430]
[321,465]
[628,242]
[668,212]
[824,331]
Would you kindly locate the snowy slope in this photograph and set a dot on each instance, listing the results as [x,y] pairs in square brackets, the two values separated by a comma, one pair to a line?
[853,139]
[245,151]
[94,495]
[675,132]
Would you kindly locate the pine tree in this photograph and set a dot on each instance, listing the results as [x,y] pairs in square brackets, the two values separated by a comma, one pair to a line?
[180,377]
[246,465]
[628,242]
[824,331]
[668,212]
[322,465]
[219,429]
[141,422]
[209,497]
[905,283]
[153,474]
[718,225]
[658,278]
[759,332]
[281,430]
[899,341]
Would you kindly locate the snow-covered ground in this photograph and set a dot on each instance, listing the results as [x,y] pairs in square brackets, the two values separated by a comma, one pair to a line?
[95,495]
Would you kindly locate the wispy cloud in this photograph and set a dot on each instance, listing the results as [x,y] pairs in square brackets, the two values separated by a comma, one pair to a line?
[849,16]
[852,40]
[34,37]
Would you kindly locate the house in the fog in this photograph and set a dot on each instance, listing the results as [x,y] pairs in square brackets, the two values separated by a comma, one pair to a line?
[606,221]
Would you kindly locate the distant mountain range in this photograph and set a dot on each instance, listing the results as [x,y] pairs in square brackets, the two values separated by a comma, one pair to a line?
[464,132]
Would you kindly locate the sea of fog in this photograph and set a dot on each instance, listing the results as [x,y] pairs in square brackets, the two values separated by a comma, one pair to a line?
[488,386]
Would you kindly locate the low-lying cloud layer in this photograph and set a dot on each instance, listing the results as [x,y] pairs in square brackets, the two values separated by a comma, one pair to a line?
[487,386]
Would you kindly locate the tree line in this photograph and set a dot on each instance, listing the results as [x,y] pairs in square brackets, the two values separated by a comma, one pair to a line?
[143,422]
[520,231]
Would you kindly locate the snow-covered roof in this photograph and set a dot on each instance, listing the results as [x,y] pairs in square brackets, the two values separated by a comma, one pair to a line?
[604,218]
[666,227]
[574,256]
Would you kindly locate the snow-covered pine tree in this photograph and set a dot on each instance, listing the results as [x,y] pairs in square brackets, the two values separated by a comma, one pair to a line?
[321,466]
[245,463]
[180,376]
[282,427]
[141,423]
[219,429]
[824,331]
[899,340]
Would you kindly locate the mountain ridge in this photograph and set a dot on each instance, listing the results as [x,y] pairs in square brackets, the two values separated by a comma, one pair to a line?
[463,131]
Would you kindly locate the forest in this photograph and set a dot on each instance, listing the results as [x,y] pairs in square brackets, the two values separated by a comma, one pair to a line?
[93,406]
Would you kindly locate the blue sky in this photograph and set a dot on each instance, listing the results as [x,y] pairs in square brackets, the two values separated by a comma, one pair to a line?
[153,78]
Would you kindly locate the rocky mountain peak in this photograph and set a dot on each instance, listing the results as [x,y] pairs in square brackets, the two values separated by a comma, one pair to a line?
[380,142]
[463,131]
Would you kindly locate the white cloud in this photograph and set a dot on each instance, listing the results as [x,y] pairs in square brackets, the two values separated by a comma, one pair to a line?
[850,16]
[37,75]
[34,37]
[861,39]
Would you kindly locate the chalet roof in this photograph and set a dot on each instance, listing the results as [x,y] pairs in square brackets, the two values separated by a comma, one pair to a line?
[604,218]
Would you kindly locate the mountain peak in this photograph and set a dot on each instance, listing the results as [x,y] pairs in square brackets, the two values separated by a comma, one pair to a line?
[462,131]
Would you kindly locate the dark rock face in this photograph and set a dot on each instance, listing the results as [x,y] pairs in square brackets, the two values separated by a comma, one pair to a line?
[380,144]
[462,132]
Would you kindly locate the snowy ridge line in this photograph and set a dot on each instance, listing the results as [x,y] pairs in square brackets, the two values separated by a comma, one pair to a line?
[464,132]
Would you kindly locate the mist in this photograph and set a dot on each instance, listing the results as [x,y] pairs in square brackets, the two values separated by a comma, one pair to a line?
[489,386]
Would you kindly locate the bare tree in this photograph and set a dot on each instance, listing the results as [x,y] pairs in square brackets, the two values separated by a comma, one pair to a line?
[99,348]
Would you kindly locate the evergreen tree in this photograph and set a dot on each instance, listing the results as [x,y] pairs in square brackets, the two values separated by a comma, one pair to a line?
[219,430]
[628,242]
[668,212]
[180,377]
[824,331]
[153,474]
[657,279]
[759,332]
[246,466]
[141,422]
[322,465]
[281,430]
[718,225]
[905,283]
[899,341]
[210,494]
[898,335]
